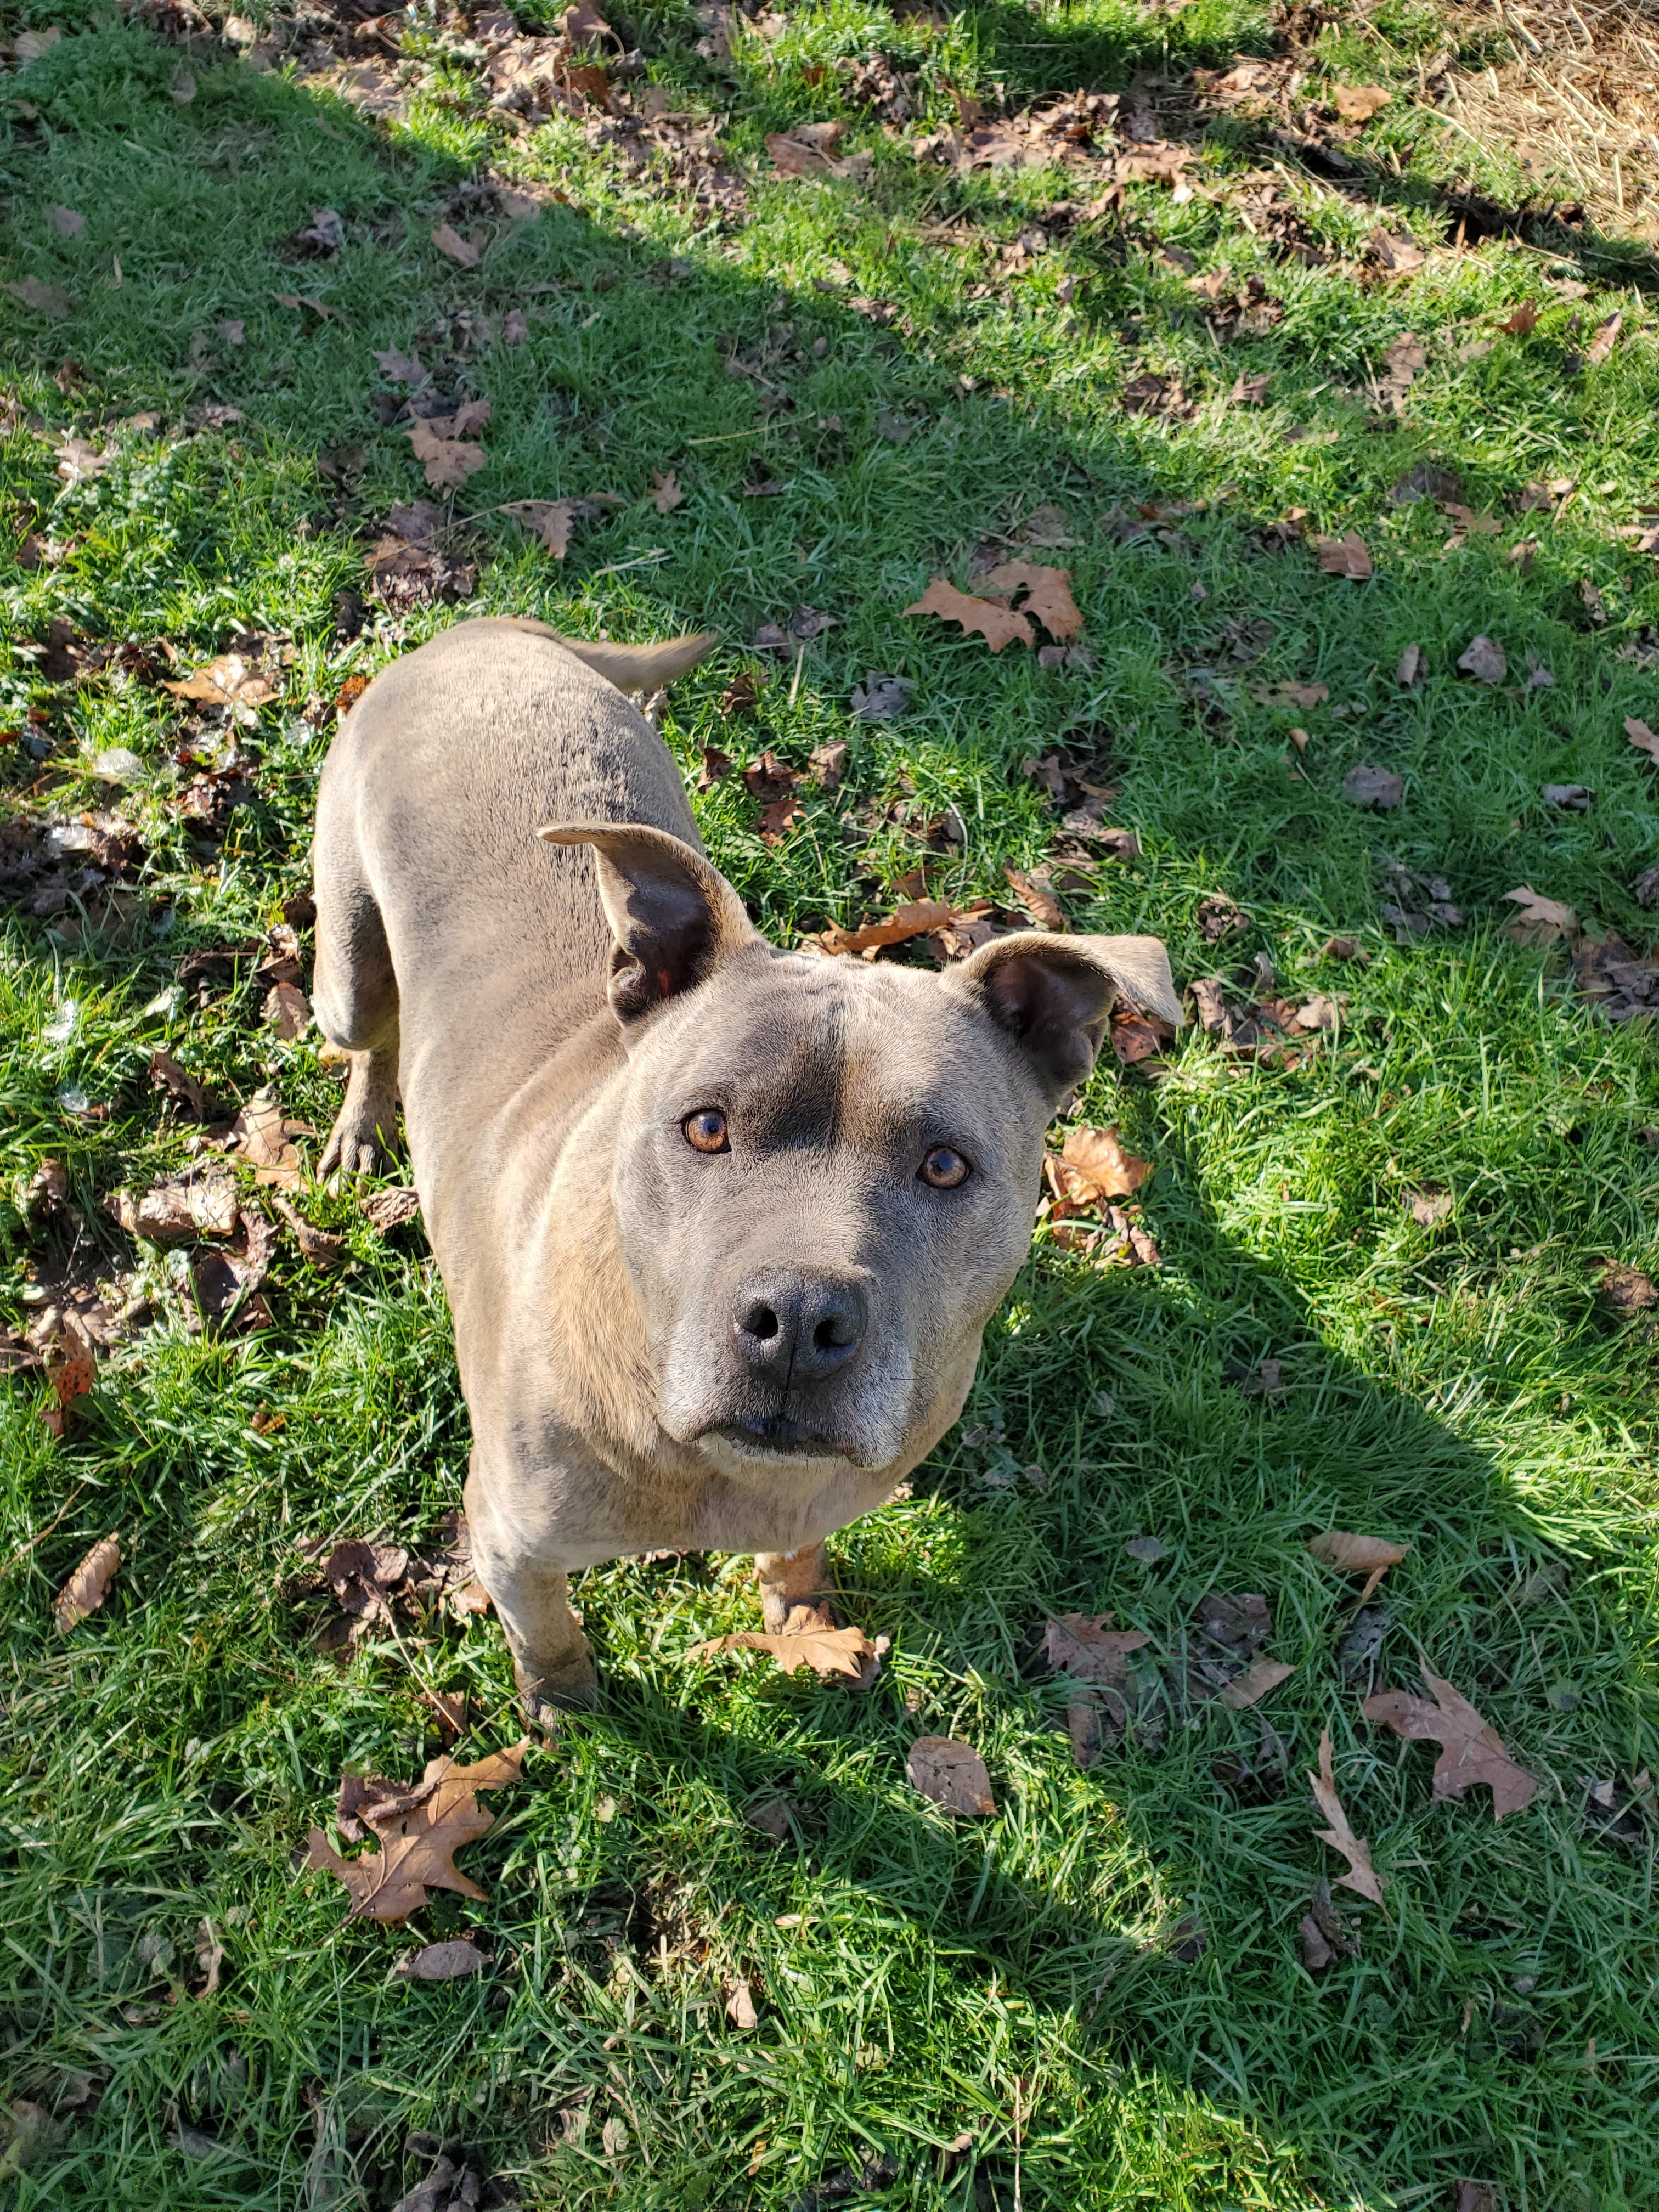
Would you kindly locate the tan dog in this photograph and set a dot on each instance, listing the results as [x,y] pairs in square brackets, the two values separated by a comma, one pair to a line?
[721,1225]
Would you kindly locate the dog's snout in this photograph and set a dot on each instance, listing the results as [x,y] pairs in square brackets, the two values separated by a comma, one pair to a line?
[798,1329]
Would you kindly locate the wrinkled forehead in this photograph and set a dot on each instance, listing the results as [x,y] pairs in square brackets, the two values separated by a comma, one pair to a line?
[831,1050]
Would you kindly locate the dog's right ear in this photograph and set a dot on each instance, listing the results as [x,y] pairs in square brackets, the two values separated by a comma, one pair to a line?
[673,916]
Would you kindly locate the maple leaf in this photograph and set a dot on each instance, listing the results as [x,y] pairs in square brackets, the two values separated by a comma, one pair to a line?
[911,919]
[1358,103]
[1471,1751]
[951,1774]
[1049,598]
[998,625]
[827,1651]
[1356,1850]
[1371,1556]
[418,1828]
[88,1587]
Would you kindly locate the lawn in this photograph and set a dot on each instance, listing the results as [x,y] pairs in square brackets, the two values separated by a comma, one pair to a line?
[1221,345]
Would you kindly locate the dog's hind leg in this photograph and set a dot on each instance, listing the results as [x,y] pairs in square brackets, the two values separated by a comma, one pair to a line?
[797,1591]
[354,996]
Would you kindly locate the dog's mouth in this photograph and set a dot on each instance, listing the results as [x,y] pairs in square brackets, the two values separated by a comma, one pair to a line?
[775,1436]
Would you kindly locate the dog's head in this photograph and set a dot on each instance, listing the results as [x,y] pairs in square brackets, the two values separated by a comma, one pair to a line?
[826,1171]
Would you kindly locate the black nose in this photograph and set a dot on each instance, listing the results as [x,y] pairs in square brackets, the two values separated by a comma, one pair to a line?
[796,1330]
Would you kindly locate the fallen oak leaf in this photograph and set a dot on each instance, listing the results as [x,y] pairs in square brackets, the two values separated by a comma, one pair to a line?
[1471,1750]
[418,1829]
[1098,1156]
[72,1370]
[450,241]
[998,625]
[322,1250]
[266,1137]
[1345,556]
[668,493]
[914,919]
[1540,920]
[950,1774]
[1083,1646]
[231,680]
[1043,907]
[1606,337]
[88,1586]
[442,1962]
[1253,1684]
[1356,1850]
[1371,1556]
[1358,103]
[1645,739]
[447,461]
[827,1651]
[1048,595]
[1484,659]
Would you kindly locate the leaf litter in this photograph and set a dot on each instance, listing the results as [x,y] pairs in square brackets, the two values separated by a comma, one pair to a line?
[88,1586]
[950,1774]
[1361,1876]
[828,1652]
[1371,1556]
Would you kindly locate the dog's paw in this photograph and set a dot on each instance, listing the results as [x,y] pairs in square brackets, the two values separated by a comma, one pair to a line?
[798,1616]
[545,1698]
[357,1146]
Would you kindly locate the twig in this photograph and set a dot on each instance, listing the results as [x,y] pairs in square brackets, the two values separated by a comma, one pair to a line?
[24,1550]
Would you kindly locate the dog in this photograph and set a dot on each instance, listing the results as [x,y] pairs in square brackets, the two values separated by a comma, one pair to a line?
[721,1225]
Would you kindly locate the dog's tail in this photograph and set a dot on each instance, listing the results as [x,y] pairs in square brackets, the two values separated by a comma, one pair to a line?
[631,667]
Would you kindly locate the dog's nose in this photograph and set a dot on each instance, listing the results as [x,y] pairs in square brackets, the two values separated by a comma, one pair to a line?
[797,1330]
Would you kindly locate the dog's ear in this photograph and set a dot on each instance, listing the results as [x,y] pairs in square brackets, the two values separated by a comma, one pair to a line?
[1054,994]
[673,916]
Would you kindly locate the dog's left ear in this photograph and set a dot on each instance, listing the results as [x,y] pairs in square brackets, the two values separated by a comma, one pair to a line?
[1054,994]
[673,916]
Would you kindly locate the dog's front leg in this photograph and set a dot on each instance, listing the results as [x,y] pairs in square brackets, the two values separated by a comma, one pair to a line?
[797,1591]
[552,1663]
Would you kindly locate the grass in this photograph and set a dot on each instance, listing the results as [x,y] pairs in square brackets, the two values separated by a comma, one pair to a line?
[1028,1980]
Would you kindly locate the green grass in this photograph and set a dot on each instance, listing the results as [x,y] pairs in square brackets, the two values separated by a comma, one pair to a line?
[1456,1387]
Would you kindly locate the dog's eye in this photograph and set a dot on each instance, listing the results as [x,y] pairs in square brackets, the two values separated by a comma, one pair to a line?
[945,1168]
[706,1132]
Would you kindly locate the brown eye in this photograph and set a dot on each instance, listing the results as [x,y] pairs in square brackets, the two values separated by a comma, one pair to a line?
[943,1168]
[706,1132]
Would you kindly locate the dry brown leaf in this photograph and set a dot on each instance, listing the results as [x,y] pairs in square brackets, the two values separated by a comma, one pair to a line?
[389,1209]
[458,248]
[1098,1156]
[1038,901]
[88,1586]
[1645,739]
[1365,785]
[911,919]
[1253,1684]
[1625,1290]
[442,1962]
[418,1827]
[178,1209]
[322,1250]
[1606,337]
[1471,1751]
[447,461]
[1358,103]
[550,519]
[997,625]
[231,680]
[741,2006]
[806,151]
[1356,1850]
[1484,659]
[827,1651]
[1049,598]
[1523,322]
[1083,1646]
[266,1138]
[669,493]
[287,1010]
[1305,696]
[1345,556]
[1371,1556]
[1410,667]
[1540,920]
[827,765]
[72,1370]
[951,1774]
